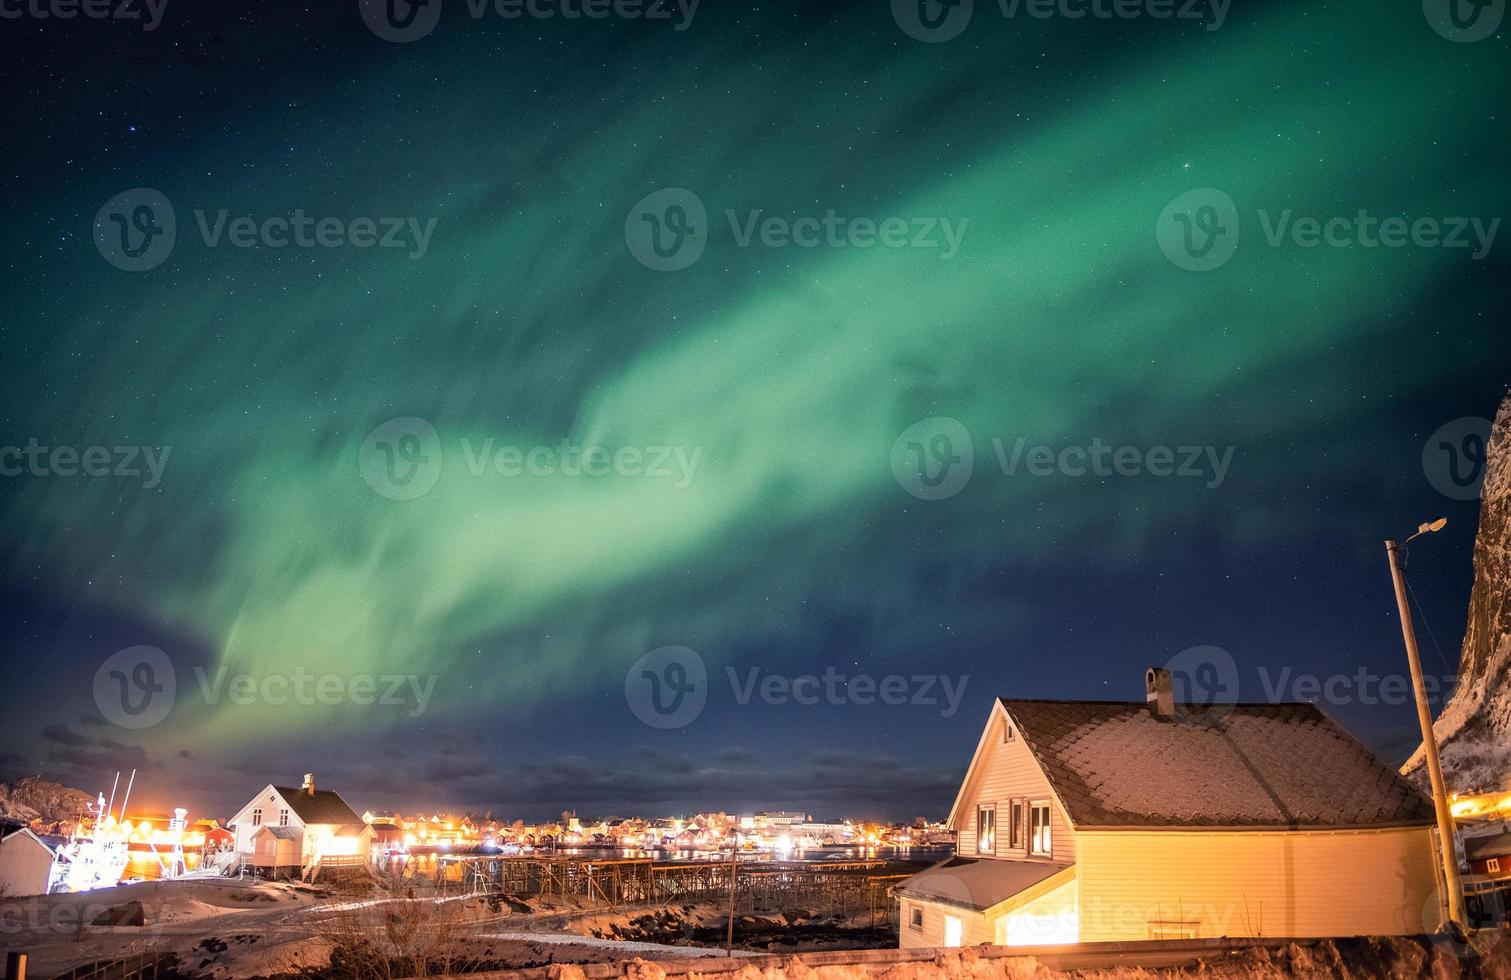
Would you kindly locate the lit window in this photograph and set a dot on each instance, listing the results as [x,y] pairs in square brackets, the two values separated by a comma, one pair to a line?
[953,933]
[1015,827]
[986,830]
[257,816]
[1038,829]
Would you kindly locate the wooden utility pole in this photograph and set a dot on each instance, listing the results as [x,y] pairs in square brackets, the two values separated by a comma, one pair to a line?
[1446,833]
[734,866]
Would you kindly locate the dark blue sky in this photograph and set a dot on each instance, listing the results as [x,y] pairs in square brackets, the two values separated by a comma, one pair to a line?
[318,461]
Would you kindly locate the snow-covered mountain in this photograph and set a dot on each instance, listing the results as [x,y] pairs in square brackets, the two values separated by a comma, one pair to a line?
[34,798]
[1474,729]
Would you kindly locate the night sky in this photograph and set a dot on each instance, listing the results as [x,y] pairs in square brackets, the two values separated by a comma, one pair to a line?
[791,386]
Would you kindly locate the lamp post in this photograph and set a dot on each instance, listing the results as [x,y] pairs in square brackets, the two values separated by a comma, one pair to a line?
[1395,551]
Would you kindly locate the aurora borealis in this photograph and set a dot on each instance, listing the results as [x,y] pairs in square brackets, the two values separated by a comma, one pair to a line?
[789,370]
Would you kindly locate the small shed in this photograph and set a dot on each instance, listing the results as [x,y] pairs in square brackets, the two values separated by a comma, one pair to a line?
[275,851]
[25,862]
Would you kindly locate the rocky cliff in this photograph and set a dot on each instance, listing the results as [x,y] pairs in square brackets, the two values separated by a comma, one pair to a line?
[1474,729]
[33,798]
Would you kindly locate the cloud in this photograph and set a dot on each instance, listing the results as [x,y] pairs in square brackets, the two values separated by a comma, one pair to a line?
[63,735]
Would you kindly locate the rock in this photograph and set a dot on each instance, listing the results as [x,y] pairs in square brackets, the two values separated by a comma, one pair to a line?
[1474,728]
[125,914]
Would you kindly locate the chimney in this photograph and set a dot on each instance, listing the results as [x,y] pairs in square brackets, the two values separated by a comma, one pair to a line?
[1159,692]
[309,779]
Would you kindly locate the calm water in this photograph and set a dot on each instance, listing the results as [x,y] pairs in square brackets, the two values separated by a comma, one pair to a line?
[924,854]
[144,865]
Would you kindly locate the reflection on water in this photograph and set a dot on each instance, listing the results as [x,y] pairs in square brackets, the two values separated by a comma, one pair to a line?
[144,864]
[427,858]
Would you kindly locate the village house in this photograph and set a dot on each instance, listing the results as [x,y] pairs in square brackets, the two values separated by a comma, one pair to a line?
[1083,821]
[26,862]
[288,832]
[1489,855]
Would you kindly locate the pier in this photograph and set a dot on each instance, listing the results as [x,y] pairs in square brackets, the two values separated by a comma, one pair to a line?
[851,885]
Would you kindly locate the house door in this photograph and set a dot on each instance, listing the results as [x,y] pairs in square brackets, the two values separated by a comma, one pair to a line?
[952,931]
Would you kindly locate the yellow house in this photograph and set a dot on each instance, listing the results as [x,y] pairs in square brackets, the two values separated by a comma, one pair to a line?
[1085,821]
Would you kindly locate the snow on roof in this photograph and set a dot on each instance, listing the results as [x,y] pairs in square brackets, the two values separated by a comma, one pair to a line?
[1116,764]
[321,806]
[1488,846]
[286,833]
[979,885]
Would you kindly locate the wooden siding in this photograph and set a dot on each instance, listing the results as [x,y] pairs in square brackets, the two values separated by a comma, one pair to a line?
[1313,883]
[974,927]
[1046,920]
[1007,771]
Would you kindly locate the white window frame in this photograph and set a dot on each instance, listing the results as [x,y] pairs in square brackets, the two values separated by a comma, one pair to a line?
[1017,818]
[283,818]
[986,844]
[1493,865]
[257,816]
[1047,827]
[915,918]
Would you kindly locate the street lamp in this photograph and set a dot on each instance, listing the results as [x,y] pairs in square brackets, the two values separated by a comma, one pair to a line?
[1396,552]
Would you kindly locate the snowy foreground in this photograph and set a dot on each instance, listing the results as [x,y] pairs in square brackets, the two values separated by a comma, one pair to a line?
[217,928]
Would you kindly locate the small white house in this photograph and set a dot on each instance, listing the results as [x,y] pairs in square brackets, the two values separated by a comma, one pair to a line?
[25,862]
[308,825]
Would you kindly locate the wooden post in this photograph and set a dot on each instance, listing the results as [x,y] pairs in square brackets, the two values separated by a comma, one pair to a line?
[15,966]
[1447,834]
[734,865]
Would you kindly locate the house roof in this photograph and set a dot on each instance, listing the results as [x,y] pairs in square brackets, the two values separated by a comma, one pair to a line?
[1117,765]
[286,833]
[9,831]
[1488,846]
[323,806]
[979,885]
